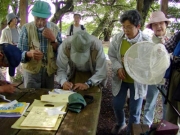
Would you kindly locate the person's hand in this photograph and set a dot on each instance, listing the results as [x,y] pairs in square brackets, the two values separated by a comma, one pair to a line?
[121,73]
[3,63]
[1,59]
[67,85]
[80,86]
[9,88]
[1,56]
[4,82]
[48,33]
[35,54]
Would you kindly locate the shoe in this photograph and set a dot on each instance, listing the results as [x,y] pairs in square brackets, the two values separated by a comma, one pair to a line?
[122,130]
[115,129]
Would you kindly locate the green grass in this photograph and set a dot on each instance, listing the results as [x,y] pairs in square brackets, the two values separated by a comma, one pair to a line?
[105,50]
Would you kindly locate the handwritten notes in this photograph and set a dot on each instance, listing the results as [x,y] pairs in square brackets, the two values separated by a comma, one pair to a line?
[38,117]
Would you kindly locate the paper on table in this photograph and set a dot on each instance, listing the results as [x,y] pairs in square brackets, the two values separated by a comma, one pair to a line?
[55,110]
[38,117]
[56,98]
[60,91]
[10,104]
[16,125]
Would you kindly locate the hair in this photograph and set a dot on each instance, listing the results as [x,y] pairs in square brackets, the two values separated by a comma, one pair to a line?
[150,26]
[10,22]
[132,16]
[77,15]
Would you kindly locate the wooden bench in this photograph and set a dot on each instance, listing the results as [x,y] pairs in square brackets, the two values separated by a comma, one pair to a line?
[137,129]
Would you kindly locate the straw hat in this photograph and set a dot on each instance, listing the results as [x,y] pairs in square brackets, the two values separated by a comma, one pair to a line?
[157,16]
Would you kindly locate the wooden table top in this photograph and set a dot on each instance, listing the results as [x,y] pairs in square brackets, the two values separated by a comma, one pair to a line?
[83,123]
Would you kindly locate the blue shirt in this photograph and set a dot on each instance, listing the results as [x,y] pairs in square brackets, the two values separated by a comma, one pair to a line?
[23,42]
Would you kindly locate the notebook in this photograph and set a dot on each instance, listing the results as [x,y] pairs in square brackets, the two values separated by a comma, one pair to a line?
[13,109]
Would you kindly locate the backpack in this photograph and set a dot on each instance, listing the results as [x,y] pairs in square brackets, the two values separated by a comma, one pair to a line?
[71,29]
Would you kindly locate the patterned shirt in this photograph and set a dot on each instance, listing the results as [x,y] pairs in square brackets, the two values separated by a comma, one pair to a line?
[172,42]
[23,42]
[170,46]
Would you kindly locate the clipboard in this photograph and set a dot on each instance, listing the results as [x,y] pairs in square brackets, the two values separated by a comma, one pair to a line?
[38,103]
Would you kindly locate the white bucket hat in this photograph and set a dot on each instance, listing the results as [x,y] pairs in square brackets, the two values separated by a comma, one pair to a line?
[157,16]
[80,47]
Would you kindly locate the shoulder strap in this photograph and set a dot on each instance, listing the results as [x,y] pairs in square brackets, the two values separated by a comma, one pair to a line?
[82,27]
[71,30]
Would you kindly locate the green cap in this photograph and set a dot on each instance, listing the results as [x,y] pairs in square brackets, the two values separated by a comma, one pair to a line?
[41,9]
[76,102]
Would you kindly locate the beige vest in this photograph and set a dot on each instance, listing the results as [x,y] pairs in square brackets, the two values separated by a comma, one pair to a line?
[34,66]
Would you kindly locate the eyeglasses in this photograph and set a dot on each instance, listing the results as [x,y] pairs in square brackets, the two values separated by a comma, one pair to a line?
[128,28]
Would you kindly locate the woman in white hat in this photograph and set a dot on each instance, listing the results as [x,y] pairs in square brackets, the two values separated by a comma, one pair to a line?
[158,24]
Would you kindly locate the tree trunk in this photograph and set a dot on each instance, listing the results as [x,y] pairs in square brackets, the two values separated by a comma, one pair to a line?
[143,8]
[61,11]
[164,6]
[101,25]
[23,9]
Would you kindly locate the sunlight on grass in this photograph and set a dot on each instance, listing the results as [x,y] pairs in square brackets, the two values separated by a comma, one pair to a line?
[105,50]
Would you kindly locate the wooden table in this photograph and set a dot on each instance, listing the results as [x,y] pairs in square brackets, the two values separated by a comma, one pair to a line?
[83,123]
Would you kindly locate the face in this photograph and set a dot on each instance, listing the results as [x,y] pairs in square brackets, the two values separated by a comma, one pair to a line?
[77,19]
[13,21]
[130,30]
[159,28]
[40,22]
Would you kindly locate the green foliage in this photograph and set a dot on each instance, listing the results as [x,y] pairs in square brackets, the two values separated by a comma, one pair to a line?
[105,50]
[4,8]
[173,12]
[17,78]
[65,27]
[154,7]
[98,10]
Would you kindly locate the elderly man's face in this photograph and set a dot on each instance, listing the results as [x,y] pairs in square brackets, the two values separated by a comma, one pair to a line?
[40,22]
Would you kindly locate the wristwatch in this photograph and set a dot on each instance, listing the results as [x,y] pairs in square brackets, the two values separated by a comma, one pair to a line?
[54,41]
[89,83]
